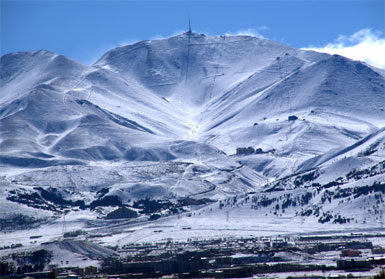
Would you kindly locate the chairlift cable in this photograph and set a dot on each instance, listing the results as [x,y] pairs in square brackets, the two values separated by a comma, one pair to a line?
[217,68]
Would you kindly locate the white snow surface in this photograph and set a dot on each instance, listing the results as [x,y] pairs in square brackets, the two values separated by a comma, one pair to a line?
[162,119]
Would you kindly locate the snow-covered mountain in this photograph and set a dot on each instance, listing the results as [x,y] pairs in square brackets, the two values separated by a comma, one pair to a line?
[155,127]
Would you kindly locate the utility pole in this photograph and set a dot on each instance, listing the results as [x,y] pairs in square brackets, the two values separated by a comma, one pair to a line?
[64,229]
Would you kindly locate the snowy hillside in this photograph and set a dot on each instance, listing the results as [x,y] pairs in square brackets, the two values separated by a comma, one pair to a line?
[175,132]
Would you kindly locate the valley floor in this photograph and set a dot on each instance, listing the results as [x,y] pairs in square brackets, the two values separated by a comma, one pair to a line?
[342,254]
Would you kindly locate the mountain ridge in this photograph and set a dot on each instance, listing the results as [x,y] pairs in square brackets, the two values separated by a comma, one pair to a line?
[192,126]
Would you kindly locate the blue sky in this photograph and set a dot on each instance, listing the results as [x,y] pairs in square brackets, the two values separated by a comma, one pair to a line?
[84,30]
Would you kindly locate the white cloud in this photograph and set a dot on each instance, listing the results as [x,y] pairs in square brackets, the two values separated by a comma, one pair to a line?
[161,36]
[263,28]
[91,56]
[125,42]
[365,45]
[247,32]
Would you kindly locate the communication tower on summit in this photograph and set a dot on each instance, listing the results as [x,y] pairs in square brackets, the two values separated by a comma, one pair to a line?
[188,48]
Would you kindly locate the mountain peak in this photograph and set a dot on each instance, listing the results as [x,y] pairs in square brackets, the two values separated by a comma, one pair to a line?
[198,87]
